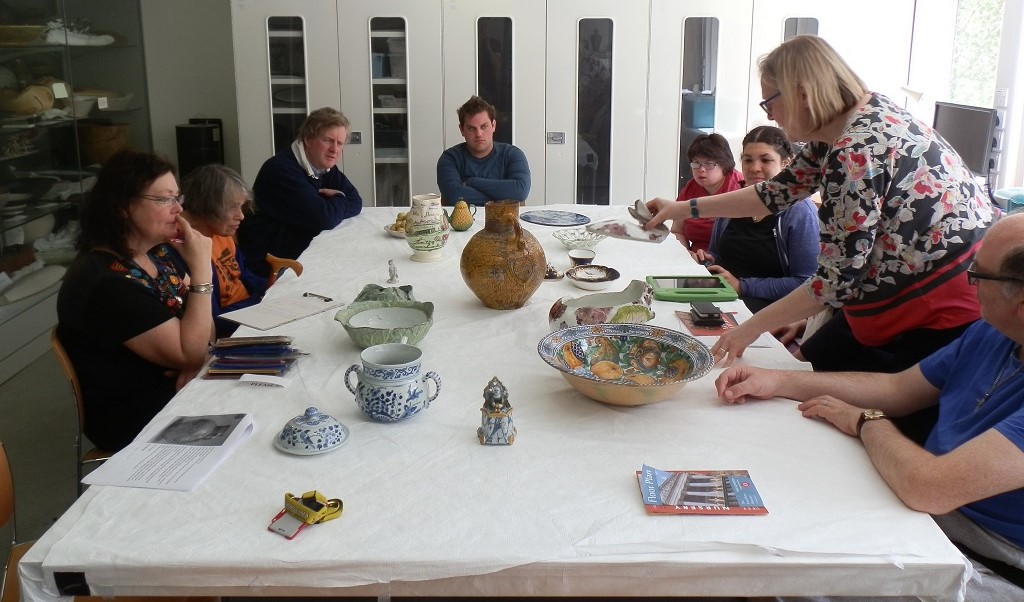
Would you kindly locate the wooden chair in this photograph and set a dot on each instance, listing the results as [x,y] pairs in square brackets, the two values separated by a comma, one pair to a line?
[94,455]
[279,265]
[9,587]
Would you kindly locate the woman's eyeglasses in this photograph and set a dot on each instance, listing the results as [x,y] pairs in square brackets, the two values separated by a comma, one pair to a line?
[973,277]
[164,200]
[705,164]
[766,104]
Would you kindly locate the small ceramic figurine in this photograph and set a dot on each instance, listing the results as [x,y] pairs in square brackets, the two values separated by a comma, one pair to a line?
[496,416]
[392,272]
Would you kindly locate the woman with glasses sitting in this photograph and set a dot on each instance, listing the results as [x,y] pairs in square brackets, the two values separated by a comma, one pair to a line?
[134,309]
[901,218]
[764,259]
[217,200]
[714,172]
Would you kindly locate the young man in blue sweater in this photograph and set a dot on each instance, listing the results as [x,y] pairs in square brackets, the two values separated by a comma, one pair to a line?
[480,169]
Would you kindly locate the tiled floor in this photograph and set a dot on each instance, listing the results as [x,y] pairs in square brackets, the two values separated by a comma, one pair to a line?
[38,425]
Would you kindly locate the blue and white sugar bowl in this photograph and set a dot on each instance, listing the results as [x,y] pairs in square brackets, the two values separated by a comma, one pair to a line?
[311,433]
[390,385]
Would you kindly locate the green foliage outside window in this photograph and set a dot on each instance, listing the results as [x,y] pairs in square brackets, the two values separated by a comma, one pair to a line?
[979,24]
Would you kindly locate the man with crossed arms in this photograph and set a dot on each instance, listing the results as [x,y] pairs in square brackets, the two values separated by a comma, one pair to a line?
[970,473]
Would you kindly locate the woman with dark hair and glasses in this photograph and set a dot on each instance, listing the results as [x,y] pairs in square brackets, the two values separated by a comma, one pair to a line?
[134,308]
[764,259]
[901,217]
[714,172]
[217,199]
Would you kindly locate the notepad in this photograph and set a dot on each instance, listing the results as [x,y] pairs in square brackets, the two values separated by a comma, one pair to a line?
[271,313]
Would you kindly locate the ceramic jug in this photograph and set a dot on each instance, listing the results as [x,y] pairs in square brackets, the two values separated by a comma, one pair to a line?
[462,216]
[426,227]
[503,264]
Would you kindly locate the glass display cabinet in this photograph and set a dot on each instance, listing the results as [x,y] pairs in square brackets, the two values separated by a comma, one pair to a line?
[72,92]
[289,105]
[390,100]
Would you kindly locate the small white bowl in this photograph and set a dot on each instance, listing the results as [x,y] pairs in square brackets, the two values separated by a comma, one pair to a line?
[592,277]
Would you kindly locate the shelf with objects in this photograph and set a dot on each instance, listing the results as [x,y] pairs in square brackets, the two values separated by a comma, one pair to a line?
[390,106]
[72,93]
[289,102]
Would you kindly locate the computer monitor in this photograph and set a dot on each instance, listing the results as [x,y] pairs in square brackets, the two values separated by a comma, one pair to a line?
[969,130]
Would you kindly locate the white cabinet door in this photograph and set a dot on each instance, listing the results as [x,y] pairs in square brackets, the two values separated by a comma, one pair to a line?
[714,55]
[596,135]
[463,69]
[253,86]
[377,174]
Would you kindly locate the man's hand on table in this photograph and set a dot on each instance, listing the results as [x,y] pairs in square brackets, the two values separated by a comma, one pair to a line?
[739,383]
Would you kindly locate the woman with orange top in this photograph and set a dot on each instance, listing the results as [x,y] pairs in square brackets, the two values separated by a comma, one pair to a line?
[216,199]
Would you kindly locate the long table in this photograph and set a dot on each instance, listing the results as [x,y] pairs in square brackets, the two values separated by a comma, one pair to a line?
[430,511]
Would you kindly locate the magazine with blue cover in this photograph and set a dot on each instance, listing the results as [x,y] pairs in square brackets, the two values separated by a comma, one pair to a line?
[699,492]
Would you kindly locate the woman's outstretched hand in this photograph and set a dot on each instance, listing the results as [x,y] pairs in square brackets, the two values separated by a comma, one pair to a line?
[665,209]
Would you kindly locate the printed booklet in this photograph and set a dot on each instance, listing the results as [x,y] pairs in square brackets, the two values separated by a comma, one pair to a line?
[174,452]
[699,492]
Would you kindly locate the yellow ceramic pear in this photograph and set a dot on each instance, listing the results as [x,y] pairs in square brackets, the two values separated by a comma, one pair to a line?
[462,216]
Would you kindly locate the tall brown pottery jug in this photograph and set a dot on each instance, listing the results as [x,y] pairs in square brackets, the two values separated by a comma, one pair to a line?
[503,264]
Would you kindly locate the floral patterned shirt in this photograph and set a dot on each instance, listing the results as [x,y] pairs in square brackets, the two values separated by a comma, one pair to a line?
[167,286]
[901,217]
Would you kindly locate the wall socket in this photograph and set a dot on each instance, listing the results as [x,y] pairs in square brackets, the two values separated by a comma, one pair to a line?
[1001,98]
[355,138]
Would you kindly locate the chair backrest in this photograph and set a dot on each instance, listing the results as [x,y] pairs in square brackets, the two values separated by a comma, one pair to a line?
[6,491]
[69,373]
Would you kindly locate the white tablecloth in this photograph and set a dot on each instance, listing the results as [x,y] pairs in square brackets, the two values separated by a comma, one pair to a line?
[428,510]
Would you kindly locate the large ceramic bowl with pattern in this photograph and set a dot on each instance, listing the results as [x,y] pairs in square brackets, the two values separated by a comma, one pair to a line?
[626,364]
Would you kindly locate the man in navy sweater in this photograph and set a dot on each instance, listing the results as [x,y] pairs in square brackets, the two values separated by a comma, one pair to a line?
[300,192]
[480,169]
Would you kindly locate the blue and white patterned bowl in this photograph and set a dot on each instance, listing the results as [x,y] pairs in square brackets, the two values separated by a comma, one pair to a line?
[311,433]
[389,384]
[626,364]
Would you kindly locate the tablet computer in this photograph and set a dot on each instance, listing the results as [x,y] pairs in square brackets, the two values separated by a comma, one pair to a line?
[691,288]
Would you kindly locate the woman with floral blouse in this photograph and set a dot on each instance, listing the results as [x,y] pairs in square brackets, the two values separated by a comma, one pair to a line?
[901,218]
[134,311]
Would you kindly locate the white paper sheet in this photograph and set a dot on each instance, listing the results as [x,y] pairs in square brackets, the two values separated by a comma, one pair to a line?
[271,313]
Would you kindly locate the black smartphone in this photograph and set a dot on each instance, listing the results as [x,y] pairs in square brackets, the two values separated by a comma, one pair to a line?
[705,313]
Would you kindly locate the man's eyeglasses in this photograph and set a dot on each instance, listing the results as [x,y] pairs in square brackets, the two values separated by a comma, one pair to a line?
[164,200]
[973,277]
[704,164]
[766,104]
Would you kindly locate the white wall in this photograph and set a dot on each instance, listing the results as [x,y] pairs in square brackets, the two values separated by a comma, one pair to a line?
[190,69]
